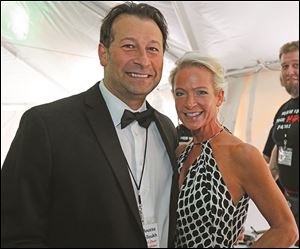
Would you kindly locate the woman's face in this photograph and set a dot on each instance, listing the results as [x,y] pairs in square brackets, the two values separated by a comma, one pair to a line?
[195,96]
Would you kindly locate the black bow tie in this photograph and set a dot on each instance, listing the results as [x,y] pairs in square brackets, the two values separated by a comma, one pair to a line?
[143,118]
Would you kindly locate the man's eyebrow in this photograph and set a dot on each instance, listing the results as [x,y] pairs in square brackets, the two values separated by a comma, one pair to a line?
[154,41]
[293,61]
[134,40]
[128,38]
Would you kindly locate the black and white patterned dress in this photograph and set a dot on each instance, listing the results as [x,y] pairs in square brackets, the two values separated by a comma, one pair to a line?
[206,214]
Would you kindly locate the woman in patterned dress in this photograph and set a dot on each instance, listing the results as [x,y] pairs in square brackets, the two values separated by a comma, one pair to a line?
[219,173]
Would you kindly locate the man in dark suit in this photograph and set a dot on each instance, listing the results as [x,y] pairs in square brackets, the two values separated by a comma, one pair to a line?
[79,172]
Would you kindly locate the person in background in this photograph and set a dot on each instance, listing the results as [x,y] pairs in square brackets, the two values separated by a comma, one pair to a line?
[218,171]
[98,169]
[284,162]
[183,133]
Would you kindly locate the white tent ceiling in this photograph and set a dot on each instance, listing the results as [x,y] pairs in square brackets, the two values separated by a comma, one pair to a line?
[49,48]
[53,45]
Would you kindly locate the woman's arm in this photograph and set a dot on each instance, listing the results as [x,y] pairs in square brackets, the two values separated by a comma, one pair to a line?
[259,184]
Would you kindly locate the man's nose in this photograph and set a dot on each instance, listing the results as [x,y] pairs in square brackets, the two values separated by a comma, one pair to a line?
[142,58]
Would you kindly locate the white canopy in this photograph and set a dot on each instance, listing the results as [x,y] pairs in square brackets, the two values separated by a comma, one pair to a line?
[49,51]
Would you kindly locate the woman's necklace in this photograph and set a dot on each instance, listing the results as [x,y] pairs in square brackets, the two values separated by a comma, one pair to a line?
[213,136]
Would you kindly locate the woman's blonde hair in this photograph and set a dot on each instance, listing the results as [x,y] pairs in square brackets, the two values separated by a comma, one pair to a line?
[195,58]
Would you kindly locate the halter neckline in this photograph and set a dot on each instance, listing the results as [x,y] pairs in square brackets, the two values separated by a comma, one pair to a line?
[213,136]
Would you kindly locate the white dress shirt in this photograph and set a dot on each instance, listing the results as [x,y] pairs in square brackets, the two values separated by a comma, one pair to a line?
[155,186]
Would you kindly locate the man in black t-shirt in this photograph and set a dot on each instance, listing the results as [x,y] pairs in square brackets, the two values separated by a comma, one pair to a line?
[284,161]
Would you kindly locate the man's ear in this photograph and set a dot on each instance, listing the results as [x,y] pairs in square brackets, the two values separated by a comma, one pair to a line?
[102,53]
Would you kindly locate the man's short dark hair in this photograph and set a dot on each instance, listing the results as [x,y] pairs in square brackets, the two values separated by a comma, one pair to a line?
[129,8]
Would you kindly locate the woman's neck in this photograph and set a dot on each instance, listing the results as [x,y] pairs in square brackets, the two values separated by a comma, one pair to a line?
[206,133]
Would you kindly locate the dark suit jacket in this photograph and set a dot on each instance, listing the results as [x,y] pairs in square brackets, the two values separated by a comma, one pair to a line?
[65,181]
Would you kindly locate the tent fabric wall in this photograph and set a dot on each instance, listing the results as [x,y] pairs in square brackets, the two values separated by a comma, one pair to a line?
[259,96]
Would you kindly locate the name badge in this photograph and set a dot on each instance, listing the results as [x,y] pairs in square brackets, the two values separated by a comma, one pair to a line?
[285,156]
[151,234]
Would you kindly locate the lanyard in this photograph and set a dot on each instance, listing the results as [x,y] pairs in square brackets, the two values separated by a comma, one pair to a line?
[285,141]
[138,186]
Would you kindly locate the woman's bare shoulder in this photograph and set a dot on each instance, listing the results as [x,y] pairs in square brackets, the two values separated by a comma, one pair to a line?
[247,159]
[239,151]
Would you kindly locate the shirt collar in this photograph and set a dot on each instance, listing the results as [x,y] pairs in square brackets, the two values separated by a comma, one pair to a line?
[116,106]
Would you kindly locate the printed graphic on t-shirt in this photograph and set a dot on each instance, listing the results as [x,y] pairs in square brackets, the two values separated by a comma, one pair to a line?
[287,118]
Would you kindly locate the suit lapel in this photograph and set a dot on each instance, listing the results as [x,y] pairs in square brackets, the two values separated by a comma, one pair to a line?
[167,137]
[102,125]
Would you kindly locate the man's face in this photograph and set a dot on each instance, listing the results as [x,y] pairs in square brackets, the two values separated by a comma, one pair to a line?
[134,61]
[290,72]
